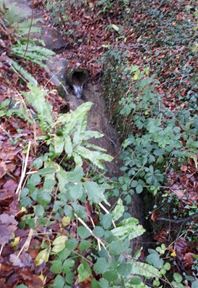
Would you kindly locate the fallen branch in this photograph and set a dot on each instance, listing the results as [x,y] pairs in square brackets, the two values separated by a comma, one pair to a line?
[23,172]
[177,221]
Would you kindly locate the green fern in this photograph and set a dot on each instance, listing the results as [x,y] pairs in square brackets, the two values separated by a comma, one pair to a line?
[75,138]
[32,52]
[36,98]
[24,74]
[14,19]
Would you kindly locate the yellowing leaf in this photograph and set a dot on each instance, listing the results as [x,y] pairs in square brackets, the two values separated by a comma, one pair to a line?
[59,244]
[136,75]
[42,256]
[43,278]
[23,210]
[15,242]
[66,221]
[173,254]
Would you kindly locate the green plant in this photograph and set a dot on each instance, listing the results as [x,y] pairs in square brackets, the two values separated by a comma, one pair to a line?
[161,259]
[13,18]
[99,250]
[58,10]
[27,47]
[156,138]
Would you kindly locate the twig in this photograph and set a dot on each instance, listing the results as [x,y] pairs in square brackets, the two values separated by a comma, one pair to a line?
[1,250]
[104,208]
[24,168]
[26,245]
[26,48]
[100,242]
[182,220]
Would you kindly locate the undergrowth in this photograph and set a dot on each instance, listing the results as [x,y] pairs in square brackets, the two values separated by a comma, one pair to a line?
[156,140]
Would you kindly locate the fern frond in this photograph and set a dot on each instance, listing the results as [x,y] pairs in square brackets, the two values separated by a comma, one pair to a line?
[24,74]
[32,52]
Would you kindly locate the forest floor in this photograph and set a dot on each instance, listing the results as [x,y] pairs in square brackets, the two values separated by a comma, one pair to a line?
[85,36]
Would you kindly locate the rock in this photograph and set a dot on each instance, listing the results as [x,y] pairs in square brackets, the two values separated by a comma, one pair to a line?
[53,39]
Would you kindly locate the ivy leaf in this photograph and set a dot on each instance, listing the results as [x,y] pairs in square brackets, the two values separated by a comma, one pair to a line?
[84,271]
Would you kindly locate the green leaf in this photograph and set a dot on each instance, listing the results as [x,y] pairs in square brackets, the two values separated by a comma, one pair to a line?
[75,191]
[103,283]
[143,269]
[21,286]
[36,98]
[118,247]
[118,210]
[154,259]
[95,192]
[59,282]
[195,284]
[167,266]
[59,244]
[23,73]
[95,157]
[71,244]
[84,271]
[135,281]
[106,221]
[38,162]
[43,197]
[68,146]
[39,210]
[111,275]
[177,277]
[99,231]
[101,265]
[46,171]
[83,232]
[68,264]
[58,144]
[75,175]
[95,284]
[34,180]
[139,188]
[128,228]
[56,267]
[84,245]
